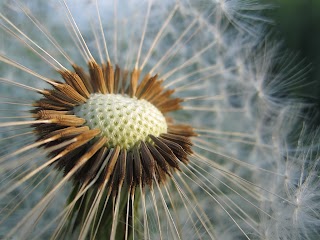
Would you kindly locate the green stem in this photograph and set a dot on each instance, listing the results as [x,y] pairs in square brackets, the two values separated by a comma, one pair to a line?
[103,221]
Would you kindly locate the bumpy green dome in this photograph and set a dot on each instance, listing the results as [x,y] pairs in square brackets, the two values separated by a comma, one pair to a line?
[125,121]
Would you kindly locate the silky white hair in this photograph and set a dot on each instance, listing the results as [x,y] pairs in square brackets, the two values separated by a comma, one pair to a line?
[244,179]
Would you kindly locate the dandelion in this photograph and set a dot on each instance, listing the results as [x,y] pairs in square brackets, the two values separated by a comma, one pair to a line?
[147,120]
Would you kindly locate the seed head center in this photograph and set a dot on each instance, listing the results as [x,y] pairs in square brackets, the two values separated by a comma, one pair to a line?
[125,121]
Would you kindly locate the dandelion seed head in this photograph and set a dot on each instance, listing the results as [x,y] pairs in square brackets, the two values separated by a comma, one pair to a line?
[149,119]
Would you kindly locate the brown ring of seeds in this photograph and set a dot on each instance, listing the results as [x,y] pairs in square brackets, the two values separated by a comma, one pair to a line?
[140,165]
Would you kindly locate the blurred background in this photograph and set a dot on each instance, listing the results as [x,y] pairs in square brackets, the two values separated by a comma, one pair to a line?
[298,23]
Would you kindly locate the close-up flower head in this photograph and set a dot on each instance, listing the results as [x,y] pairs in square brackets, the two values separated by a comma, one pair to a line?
[152,120]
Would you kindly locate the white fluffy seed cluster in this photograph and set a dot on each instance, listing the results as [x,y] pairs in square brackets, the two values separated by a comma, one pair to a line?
[125,121]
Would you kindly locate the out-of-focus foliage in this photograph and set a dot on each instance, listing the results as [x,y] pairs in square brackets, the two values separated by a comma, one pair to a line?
[298,21]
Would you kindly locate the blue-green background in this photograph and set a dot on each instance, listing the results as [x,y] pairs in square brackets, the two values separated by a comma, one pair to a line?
[297,22]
